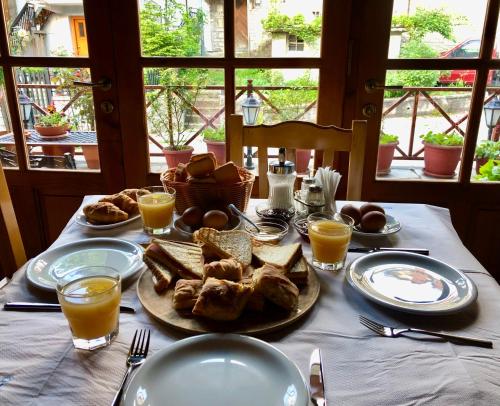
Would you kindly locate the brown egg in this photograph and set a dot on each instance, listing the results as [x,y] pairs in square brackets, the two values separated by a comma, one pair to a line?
[367,207]
[353,212]
[373,221]
[193,216]
[215,219]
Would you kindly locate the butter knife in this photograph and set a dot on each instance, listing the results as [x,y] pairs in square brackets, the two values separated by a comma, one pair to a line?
[366,250]
[47,307]
[316,386]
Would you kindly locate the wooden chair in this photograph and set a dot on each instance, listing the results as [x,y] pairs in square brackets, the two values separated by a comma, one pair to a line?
[301,135]
[16,254]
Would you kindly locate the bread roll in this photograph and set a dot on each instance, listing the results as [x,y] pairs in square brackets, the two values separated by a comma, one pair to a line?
[104,213]
[201,165]
[227,173]
[180,174]
[276,287]
[229,269]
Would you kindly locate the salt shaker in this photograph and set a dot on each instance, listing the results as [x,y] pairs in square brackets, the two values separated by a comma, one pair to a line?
[307,181]
[281,177]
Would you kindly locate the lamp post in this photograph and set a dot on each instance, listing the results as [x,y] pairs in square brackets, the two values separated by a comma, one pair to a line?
[26,108]
[492,115]
[250,108]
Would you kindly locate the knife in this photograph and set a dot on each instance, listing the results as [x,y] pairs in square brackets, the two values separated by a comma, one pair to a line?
[316,386]
[365,250]
[47,307]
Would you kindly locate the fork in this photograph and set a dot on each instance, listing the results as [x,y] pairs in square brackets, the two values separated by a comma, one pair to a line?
[136,356]
[397,332]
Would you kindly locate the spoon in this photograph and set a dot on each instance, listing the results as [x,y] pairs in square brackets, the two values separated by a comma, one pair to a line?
[233,208]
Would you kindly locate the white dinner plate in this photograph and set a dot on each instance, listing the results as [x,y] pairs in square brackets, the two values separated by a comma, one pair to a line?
[215,370]
[124,256]
[411,283]
[392,226]
[82,220]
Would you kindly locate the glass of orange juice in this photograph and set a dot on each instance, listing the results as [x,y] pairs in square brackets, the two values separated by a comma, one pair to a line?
[90,300]
[329,234]
[156,205]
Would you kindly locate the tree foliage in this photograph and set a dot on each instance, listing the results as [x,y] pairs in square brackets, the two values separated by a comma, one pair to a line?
[296,25]
[428,21]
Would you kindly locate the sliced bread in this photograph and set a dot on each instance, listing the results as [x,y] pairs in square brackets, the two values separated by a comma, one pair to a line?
[227,244]
[184,259]
[162,276]
[282,257]
[299,273]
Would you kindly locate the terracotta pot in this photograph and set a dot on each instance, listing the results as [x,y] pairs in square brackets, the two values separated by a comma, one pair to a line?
[219,150]
[177,157]
[302,156]
[51,131]
[91,154]
[440,160]
[57,150]
[385,156]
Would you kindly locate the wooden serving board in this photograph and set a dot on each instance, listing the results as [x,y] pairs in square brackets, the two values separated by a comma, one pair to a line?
[273,318]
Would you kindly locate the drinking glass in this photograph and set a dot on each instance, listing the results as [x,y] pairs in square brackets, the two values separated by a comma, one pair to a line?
[156,205]
[90,300]
[329,234]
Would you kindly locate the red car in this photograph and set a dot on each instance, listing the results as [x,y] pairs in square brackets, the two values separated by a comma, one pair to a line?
[466,49]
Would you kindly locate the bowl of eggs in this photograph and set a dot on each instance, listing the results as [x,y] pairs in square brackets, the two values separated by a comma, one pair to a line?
[196,217]
[371,220]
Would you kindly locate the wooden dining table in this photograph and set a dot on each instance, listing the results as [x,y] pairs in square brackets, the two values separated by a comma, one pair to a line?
[39,366]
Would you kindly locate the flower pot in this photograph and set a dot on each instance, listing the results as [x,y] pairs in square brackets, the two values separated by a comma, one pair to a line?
[219,150]
[175,158]
[441,160]
[385,156]
[52,131]
[302,157]
[91,154]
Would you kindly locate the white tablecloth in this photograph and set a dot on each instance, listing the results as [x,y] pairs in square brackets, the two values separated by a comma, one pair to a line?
[39,366]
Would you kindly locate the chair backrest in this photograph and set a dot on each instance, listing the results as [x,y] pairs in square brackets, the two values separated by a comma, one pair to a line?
[301,135]
[16,247]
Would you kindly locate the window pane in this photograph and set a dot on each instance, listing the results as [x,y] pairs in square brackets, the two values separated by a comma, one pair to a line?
[58,118]
[183,106]
[487,155]
[436,29]
[182,28]
[273,29]
[8,156]
[46,28]
[422,109]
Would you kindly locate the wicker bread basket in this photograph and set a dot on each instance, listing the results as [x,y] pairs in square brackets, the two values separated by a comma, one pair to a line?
[210,195]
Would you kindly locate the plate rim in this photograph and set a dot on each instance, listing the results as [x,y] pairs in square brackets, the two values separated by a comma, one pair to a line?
[379,234]
[241,338]
[33,261]
[422,311]
[80,215]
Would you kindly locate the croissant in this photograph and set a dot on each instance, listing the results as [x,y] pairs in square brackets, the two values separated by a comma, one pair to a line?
[104,213]
[132,193]
[123,202]
[229,269]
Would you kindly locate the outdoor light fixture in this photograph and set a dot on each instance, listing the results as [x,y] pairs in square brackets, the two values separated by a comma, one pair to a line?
[250,108]
[26,108]
[492,114]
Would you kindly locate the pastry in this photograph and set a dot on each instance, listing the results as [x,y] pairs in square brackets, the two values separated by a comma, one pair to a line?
[180,174]
[256,301]
[221,299]
[104,213]
[123,202]
[276,287]
[229,269]
[201,165]
[227,174]
[132,193]
[186,293]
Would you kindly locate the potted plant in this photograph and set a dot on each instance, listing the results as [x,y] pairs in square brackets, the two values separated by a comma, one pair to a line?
[485,151]
[54,124]
[441,153]
[386,147]
[490,171]
[216,143]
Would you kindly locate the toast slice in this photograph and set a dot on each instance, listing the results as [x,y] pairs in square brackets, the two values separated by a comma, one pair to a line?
[282,257]
[227,244]
[181,258]
[299,273]
[162,276]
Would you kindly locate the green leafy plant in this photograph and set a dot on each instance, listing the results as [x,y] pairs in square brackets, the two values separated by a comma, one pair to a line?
[53,119]
[426,21]
[388,138]
[488,149]
[452,139]
[490,171]
[296,25]
[214,134]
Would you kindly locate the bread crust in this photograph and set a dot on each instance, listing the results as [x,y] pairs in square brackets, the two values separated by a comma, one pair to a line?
[201,165]
[227,174]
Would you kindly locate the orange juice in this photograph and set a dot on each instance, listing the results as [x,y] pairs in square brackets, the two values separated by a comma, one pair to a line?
[157,209]
[329,240]
[91,306]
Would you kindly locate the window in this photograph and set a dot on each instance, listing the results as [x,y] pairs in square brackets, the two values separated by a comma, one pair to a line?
[295,43]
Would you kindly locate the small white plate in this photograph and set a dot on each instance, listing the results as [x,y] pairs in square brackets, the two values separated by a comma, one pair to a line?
[392,226]
[411,283]
[82,220]
[215,370]
[124,256]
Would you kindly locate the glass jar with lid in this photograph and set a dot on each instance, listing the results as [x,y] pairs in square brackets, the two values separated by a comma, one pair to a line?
[281,177]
